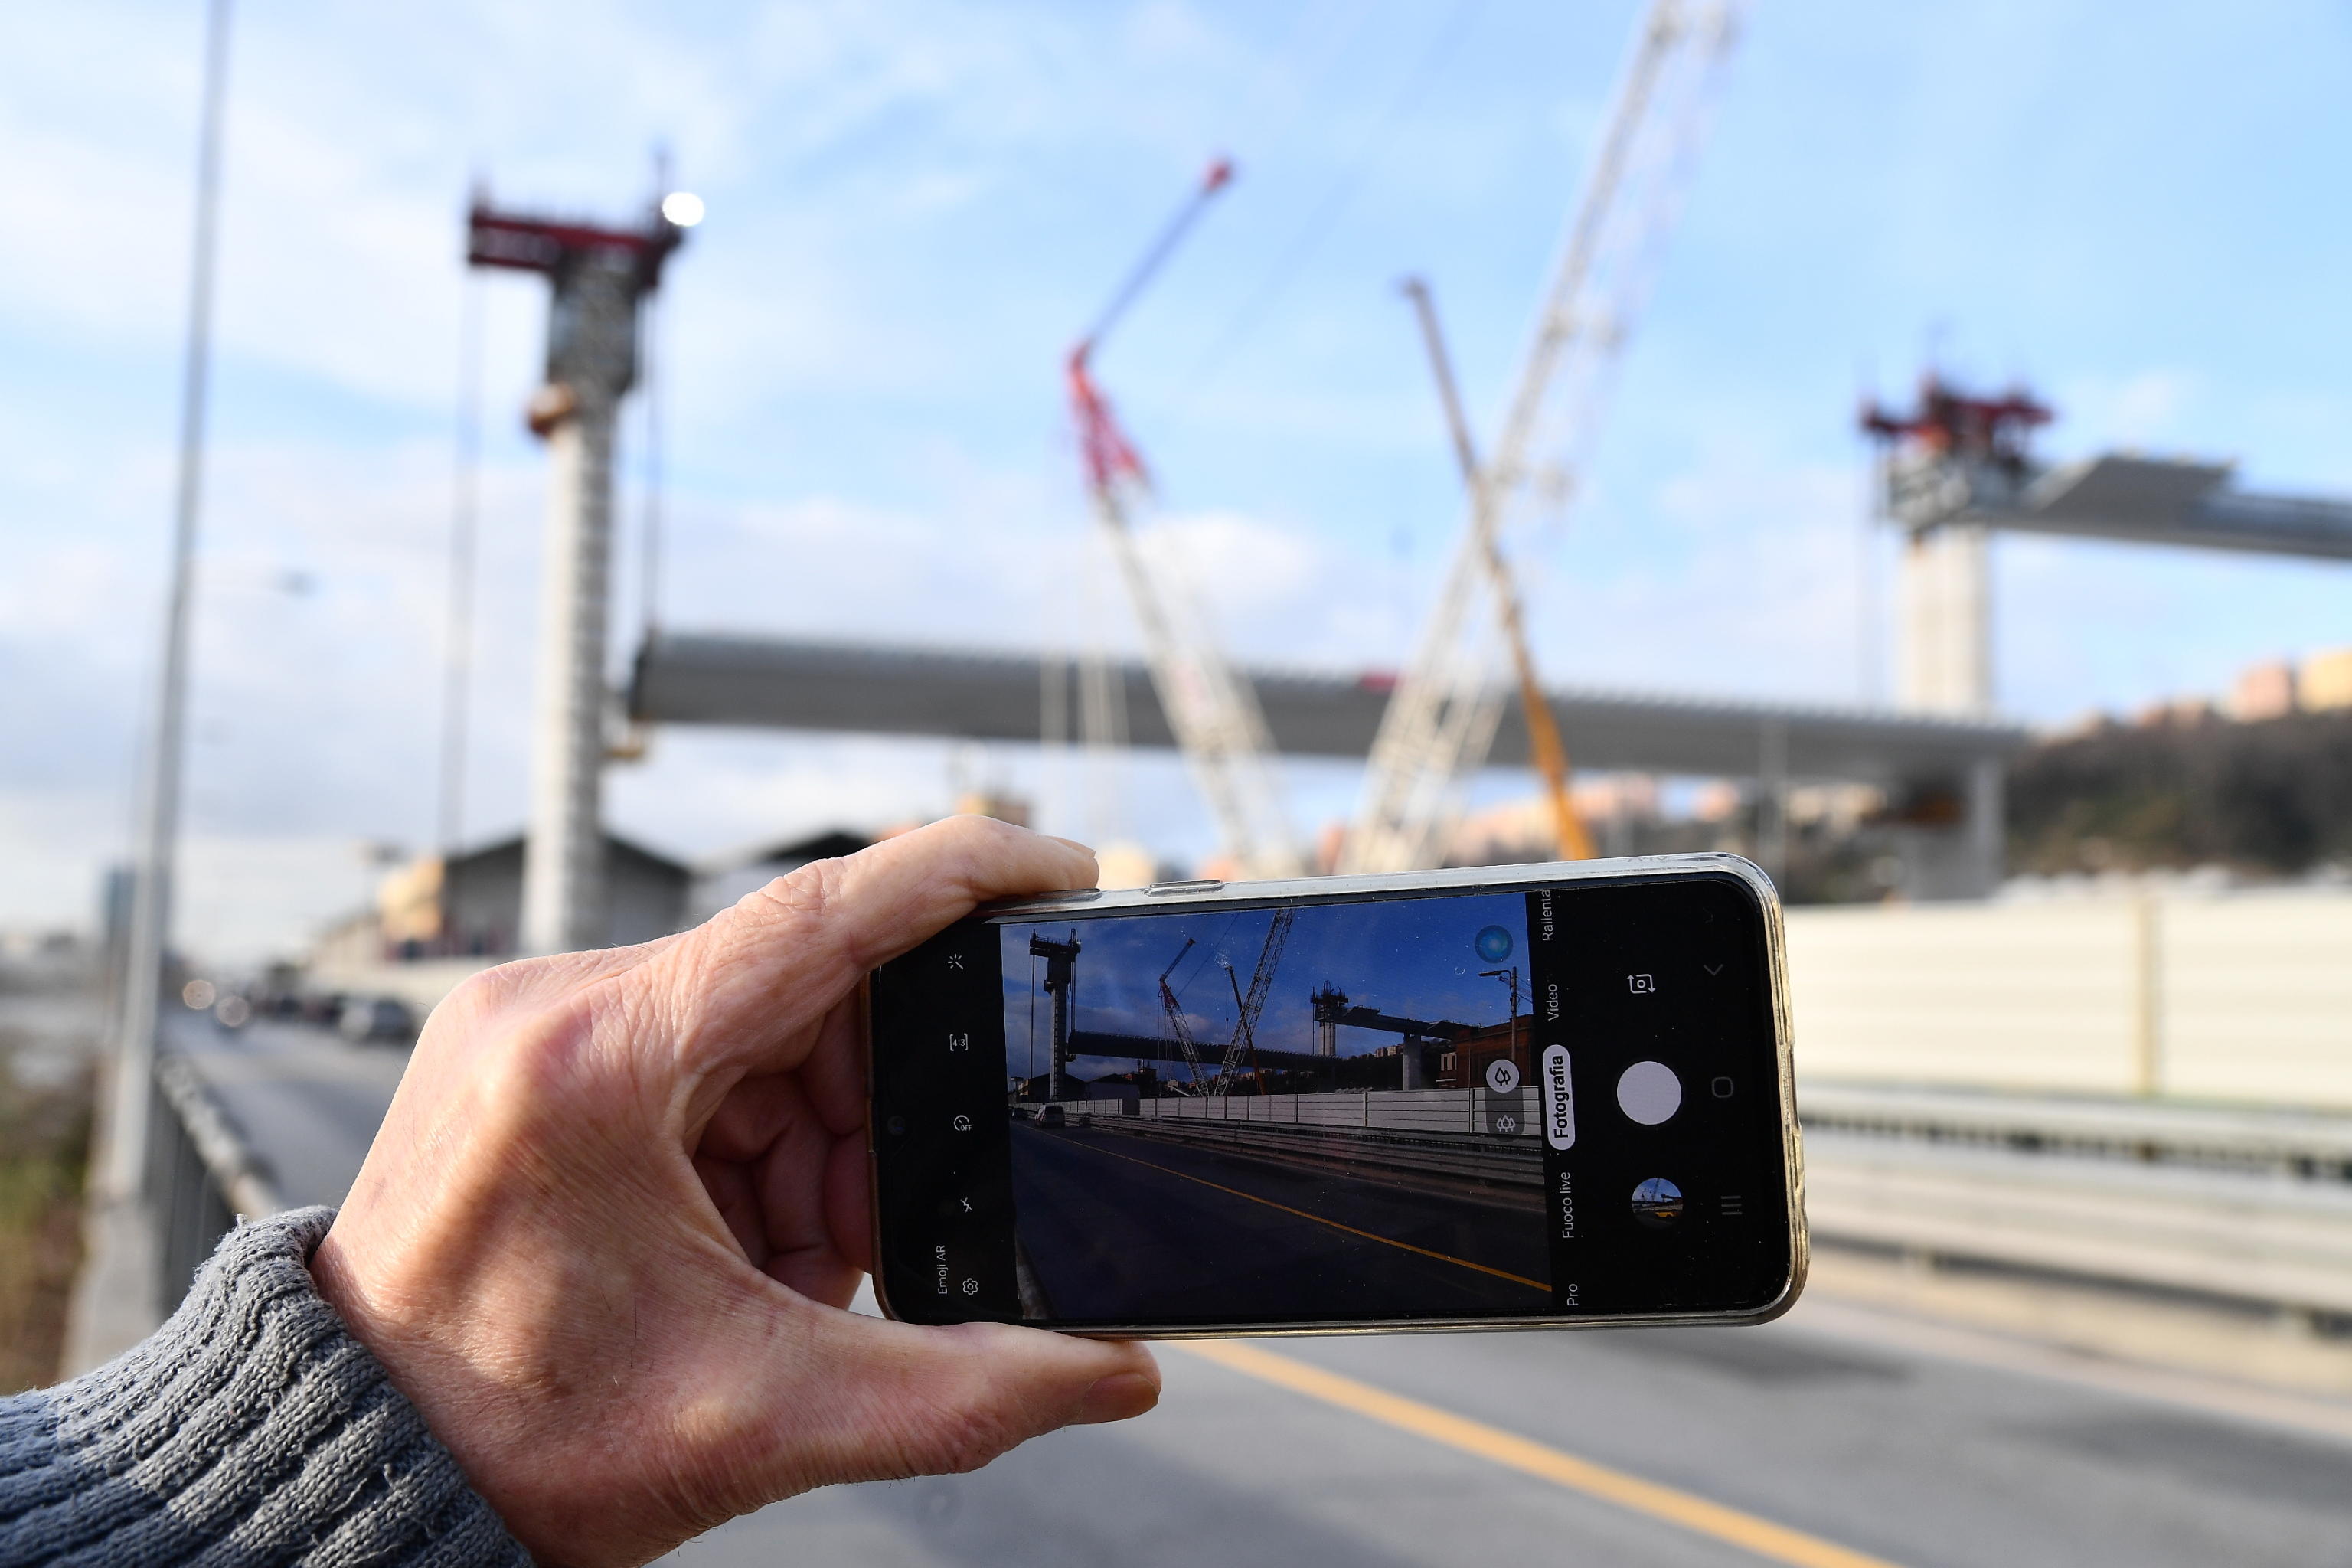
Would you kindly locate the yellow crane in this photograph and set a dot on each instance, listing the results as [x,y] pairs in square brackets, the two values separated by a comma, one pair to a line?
[1544,745]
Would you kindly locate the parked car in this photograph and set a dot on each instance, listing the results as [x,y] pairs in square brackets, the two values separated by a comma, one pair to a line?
[366,1020]
[1050,1116]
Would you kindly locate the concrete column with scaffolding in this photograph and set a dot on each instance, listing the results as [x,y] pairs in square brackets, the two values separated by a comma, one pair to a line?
[598,279]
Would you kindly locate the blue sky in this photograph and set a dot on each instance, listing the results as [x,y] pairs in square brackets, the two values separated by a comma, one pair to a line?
[914,207]
[1414,958]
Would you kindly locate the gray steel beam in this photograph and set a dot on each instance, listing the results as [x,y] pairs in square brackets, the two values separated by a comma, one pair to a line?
[1152,1048]
[790,684]
[2146,500]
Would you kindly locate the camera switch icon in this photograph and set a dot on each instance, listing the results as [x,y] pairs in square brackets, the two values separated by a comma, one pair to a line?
[1640,985]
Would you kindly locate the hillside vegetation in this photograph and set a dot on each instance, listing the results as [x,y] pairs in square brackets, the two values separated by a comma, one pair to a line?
[2270,798]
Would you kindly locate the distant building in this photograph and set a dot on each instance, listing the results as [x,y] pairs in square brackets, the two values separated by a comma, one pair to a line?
[1839,807]
[1718,800]
[1463,1061]
[720,883]
[1522,829]
[2324,681]
[470,905]
[2174,712]
[2265,690]
[116,887]
[354,941]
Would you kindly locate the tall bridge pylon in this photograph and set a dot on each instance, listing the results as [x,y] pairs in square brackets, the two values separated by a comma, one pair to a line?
[1957,467]
[597,277]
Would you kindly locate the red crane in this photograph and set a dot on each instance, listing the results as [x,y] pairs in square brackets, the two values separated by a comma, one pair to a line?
[1209,704]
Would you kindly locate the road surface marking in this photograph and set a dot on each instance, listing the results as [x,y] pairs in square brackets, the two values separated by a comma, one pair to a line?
[1774,1542]
[1319,1219]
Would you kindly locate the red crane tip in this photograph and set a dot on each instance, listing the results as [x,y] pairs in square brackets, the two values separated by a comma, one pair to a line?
[1220,174]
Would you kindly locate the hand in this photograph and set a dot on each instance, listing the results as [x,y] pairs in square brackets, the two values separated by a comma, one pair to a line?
[604,1238]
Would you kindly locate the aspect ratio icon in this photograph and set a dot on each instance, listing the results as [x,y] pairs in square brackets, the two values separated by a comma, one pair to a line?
[959,1042]
[1640,985]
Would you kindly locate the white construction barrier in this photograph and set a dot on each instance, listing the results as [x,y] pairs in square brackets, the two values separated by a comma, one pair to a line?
[2230,996]
[1462,1113]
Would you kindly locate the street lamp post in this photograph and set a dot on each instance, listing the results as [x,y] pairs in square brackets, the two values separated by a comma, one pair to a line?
[150,906]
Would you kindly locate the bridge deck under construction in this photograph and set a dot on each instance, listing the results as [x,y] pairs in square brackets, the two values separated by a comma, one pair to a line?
[971,694]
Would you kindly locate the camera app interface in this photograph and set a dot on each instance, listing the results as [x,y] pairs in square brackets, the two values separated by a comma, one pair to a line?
[1468,1106]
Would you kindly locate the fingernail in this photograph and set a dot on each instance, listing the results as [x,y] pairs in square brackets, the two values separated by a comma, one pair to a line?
[1117,1397]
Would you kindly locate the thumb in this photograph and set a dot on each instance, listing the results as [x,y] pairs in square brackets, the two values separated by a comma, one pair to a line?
[915,1401]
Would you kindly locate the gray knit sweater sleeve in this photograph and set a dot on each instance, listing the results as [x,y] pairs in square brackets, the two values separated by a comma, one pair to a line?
[251,1430]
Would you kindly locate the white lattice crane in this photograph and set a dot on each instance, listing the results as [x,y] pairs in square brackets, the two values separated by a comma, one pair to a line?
[1179,1025]
[1440,721]
[1210,705]
[1246,1009]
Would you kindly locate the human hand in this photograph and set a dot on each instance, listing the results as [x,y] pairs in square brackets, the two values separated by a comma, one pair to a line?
[604,1238]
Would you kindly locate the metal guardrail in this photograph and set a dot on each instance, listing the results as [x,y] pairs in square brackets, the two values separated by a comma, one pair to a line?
[201,1173]
[2312,1145]
[2249,1205]
[2268,1241]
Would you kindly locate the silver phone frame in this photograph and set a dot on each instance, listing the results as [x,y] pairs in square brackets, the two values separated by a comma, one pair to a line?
[1638,868]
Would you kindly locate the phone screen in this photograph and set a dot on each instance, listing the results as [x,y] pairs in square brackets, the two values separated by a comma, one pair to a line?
[1529,1102]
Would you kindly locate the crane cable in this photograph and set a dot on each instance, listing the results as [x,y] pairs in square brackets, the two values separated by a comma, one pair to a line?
[1326,214]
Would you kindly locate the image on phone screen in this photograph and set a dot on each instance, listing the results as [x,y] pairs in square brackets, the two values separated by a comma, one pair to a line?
[1473,1106]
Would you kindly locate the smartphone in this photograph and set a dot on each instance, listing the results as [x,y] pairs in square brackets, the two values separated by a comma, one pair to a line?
[1545,1096]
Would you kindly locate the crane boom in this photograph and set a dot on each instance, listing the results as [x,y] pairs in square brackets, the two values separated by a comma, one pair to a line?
[1569,835]
[1210,704]
[1175,1011]
[1247,1008]
[1440,721]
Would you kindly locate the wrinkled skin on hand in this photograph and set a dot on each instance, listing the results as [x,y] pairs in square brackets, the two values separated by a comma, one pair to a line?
[606,1237]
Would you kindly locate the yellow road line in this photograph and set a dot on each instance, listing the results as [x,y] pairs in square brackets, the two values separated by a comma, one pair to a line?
[1319,1219]
[1773,1542]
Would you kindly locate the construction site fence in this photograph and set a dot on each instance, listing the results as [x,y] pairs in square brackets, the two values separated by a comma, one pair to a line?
[2242,997]
[1512,1163]
[1475,1112]
[200,1176]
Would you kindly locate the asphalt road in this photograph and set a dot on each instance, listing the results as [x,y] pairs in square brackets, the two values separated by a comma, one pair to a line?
[1121,1227]
[308,1101]
[1819,1445]
[1835,1438]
